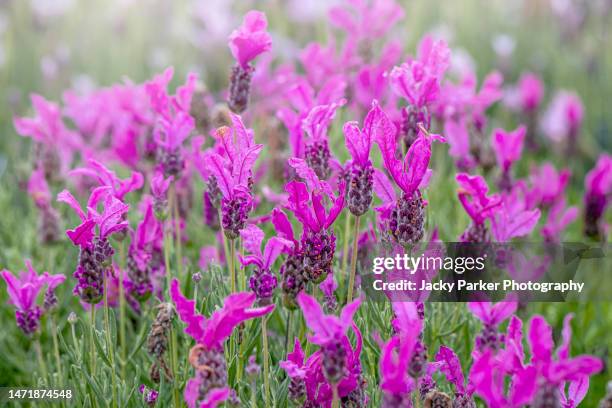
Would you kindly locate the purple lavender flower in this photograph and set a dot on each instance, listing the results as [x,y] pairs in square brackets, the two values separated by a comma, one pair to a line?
[246,43]
[598,184]
[358,143]
[24,290]
[418,82]
[48,225]
[149,395]
[174,122]
[263,281]
[159,191]
[317,154]
[318,241]
[491,316]
[233,173]
[404,217]
[479,206]
[210,381]
[95,250]
[508,147]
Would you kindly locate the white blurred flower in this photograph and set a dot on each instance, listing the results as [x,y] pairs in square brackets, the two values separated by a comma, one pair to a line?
[49,67]
[462,63]
[159,58]
[50,8]
[503,45]
[216,17]
[309,11]
[83,84]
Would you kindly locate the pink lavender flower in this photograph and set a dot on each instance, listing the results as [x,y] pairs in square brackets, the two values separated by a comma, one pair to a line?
[450,366]
[397,354]
[95,250]
[49,220]
[246,43]
[491,315]
[508,147]
[547,185]
[292,271]
[210,382]
[318,242]
[404,216]
[149,395]
[328,287]
[358,143]
[54,143]
[328,330]
[473,195]
[598,185]
[263,281]
[563,118]
[174,123]
[458,136]
[418,82]
[559,217]
[233,172]
[303,99]
[106,177]
[316,124]
[159,191]
[531,91]
[513,218]
[144,247]
[23,291]
[552,374]
[366,21]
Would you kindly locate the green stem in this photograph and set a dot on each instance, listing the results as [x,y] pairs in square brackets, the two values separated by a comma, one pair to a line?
[347,232]
[288,332]
[77,349]
[253,395]
[351,284]
[232,265]
[225,246]
[92,328]
[174,357]
[177,231]
[265,357]
[58,361]
[41,359]
[336,397]
[241,273]
[122,318]
[109,343]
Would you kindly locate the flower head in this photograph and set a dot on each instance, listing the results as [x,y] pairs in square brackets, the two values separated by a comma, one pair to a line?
[23,291]
[418,80]
[211,332]
[563,118]
[326,328]
[250,39]
[508,146]
[473,195]
[106,177]
[531,91]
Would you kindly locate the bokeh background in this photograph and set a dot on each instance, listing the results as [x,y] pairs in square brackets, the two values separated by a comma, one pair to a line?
[48,46]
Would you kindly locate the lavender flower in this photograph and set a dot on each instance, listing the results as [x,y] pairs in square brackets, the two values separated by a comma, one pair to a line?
[246,43]
[23,291]
[262,282]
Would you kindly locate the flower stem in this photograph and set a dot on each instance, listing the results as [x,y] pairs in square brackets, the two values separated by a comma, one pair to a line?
[336,397]
[58,361]
[347,232]
[265,356]
[92,328]
[41,359]
[109,343]
[174,357]
[288,331]
[253,395]
[351,283]
[177,230]
[122,310]
[232,265]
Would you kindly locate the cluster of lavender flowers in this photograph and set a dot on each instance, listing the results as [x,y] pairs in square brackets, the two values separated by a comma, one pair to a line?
[163,139]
